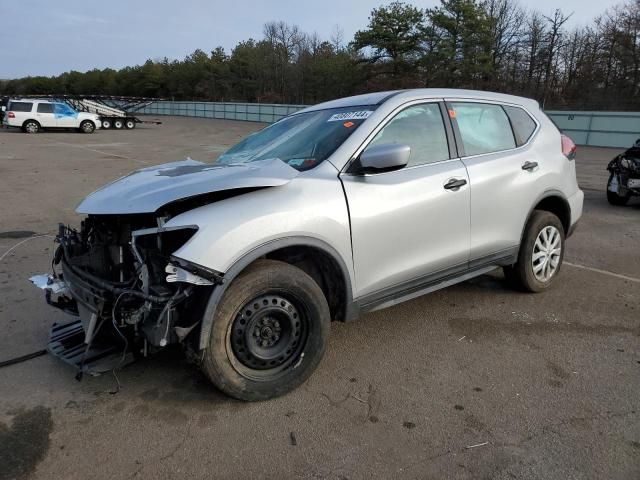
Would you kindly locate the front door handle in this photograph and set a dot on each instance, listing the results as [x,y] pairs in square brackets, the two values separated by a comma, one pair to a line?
[455,183]
[529,166]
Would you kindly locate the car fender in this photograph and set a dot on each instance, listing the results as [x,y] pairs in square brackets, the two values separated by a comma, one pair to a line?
[310,210]
[258,252]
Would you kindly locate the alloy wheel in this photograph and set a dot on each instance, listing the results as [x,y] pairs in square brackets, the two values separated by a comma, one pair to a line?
[547,250]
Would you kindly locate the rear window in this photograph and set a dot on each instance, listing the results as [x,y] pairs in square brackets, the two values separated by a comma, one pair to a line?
[45,108]
[20,106]
[523,125]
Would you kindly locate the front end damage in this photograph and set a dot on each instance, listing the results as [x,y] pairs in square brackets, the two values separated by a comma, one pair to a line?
[625,173]
[130,295]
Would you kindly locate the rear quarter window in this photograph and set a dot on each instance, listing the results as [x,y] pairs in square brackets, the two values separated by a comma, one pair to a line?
[20,106]
[522,123]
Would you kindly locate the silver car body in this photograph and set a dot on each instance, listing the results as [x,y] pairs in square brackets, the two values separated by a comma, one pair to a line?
[395,234]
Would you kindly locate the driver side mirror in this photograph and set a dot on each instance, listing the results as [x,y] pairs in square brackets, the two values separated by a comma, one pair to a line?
[385,157]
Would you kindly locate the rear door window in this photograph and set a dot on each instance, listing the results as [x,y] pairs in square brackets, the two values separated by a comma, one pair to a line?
[20,106]
[522,123]
[484,127]
[45,108]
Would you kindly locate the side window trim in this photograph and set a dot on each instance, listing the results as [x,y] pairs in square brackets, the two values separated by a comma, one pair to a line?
[448,126]
[348,168]
[458,136]
[456,129]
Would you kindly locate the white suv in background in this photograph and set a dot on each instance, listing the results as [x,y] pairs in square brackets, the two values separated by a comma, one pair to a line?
[34,115]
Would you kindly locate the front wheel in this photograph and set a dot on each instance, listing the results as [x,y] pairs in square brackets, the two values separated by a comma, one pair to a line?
[269,332]
[541,253]
[613,187]
[87,126]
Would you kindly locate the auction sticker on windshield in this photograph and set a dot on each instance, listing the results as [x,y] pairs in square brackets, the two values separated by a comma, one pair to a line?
[359,115]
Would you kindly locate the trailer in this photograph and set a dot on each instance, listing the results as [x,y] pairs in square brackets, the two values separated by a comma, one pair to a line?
[114,111]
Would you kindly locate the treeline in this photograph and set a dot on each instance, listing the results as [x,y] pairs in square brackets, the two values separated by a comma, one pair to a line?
[493,45]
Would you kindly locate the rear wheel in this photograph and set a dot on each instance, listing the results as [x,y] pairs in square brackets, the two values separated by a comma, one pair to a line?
[106,124]
[87,126]
[613,187]
[129,124]
[541,253]
[269,332]
[118,124]
[31,126]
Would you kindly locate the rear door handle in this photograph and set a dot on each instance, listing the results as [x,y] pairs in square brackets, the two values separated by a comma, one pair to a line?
[455,183]
[529,166]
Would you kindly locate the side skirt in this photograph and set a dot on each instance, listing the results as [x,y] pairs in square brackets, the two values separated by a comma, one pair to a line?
[431,283]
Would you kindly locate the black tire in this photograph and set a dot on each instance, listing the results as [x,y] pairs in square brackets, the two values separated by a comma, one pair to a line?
[612,197]
[106,123]
[118,124]
[521,275]
[87,126]
[31,126]
[129,124]
[243,346]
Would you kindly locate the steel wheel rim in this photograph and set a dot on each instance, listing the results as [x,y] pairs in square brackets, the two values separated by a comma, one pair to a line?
[268,335]
[547,250]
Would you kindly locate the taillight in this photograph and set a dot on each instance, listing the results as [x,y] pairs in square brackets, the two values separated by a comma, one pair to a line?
[11,115]
[568,147]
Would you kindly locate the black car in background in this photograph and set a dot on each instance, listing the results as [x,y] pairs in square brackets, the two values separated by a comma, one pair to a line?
[4,101]
[624,180]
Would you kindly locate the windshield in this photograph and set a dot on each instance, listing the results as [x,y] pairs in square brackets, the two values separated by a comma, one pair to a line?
[302,141]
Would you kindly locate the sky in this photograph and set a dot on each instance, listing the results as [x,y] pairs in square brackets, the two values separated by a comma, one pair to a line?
[48,37]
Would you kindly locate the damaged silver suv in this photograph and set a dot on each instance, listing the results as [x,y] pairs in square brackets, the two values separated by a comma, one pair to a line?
[342,208]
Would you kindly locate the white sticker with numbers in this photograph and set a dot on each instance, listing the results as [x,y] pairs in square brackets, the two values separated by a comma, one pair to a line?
[359,115]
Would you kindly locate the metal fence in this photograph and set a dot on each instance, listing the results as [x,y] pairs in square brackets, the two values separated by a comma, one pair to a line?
[601,129]
[251,112]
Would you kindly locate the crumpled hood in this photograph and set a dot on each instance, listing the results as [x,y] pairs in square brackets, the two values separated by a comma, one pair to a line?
[148,189]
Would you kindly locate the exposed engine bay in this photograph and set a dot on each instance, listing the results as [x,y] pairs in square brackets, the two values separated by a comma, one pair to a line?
[117,274]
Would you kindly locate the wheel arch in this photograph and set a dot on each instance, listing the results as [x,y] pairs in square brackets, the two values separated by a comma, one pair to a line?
[315,257]
[31,120]
[553,201]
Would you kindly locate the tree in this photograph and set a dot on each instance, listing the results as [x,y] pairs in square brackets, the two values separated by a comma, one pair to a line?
[458,42]
[394,34]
